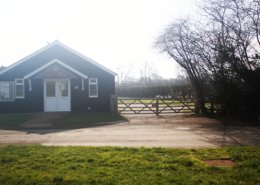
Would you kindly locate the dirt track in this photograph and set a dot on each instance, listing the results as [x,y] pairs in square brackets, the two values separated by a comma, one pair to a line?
[136,131]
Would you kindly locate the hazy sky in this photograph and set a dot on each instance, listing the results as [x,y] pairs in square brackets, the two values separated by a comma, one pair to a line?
[111,32]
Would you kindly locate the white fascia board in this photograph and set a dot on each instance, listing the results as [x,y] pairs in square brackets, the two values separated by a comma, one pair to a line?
[56,42]
[28,57]
[51,62]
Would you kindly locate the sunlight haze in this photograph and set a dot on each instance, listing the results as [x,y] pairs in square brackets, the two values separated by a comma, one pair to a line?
[112,33]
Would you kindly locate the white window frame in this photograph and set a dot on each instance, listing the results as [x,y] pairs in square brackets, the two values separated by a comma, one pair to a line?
[16,83]
[91,83]
[12,83]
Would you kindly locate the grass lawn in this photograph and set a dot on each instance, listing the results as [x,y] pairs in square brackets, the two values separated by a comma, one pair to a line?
[13,119]
[75,118]
[38,164]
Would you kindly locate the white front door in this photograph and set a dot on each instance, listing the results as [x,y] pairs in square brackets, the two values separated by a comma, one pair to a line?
[56,95]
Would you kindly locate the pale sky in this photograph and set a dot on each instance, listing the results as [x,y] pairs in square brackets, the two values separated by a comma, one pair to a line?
[111,32]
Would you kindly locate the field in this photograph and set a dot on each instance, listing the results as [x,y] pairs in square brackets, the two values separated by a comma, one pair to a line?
[38,164]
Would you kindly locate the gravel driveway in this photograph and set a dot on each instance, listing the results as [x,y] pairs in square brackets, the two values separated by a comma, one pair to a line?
[143,130]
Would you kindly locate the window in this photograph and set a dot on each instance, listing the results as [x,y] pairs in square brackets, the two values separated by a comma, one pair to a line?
[93,87]
[19,88]
[64,88]
[50,89]
[6,91]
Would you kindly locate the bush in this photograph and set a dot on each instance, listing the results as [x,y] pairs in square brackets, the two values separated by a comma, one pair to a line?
[176,91]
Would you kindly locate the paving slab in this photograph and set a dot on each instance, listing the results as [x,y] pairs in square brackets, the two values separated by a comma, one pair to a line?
[43,119]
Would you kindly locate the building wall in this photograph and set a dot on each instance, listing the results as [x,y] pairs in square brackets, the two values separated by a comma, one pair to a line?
[80,101]
[33,101]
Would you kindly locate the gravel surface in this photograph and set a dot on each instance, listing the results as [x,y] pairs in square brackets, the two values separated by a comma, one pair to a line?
[139,130]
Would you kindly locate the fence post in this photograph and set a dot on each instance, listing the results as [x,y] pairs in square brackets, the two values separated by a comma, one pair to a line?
[157,106]
[115,105]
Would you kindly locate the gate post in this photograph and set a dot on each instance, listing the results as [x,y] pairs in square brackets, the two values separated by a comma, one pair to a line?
[157,106]
[115,105]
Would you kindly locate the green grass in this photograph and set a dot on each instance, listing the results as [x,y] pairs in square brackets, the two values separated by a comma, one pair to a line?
[114,165]
[75,118]
[13,119]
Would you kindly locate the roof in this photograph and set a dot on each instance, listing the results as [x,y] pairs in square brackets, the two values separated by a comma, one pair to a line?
[52,62]
[56,42]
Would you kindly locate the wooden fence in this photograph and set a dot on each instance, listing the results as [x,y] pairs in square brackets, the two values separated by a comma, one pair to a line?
[151,106]
[159,105]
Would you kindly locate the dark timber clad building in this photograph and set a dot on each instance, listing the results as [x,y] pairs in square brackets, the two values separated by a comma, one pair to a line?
[55,78]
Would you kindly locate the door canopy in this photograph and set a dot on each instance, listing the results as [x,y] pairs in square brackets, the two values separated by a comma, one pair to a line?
[55,72]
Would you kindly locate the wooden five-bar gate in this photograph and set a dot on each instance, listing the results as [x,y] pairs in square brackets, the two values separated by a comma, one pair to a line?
[151,105]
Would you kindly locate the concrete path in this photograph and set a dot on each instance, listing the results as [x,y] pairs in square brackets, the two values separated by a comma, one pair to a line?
[147,131]
[43,119]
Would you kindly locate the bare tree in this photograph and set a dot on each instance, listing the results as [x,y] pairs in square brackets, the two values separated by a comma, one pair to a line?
[128,75]
[124,74]
[238,29]
[178,41]
[149,74]
[234,39]
[220,47]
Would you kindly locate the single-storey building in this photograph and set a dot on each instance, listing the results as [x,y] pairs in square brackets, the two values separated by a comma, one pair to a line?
[55,78]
